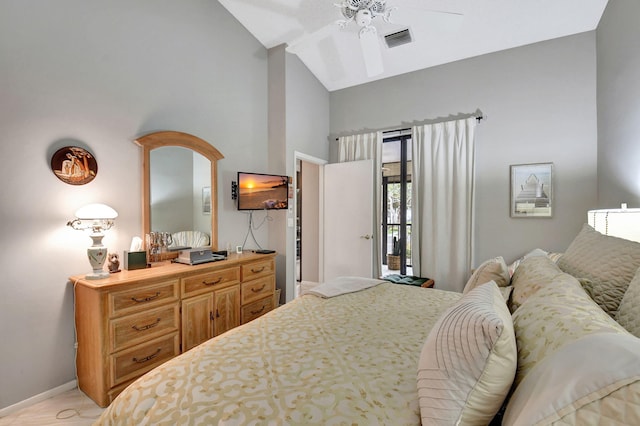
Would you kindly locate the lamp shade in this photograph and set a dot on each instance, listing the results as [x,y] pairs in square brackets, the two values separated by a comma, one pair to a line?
[622,223]
[96,211]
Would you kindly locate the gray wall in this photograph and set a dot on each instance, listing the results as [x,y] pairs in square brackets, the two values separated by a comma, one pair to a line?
[298,122]
[540,103]
[619,105]
[99,74]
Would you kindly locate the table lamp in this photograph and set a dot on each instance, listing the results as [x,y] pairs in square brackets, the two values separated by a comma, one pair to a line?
[622,222]
[95,218]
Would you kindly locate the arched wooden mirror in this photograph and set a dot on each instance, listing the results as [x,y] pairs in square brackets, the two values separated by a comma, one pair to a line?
[177,194]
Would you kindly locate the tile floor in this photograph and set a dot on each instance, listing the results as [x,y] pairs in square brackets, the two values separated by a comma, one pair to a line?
[69,408]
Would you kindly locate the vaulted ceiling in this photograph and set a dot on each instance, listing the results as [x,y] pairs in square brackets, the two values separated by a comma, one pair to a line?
[442,31]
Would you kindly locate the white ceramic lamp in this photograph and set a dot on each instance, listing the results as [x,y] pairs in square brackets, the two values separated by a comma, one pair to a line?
[95,218]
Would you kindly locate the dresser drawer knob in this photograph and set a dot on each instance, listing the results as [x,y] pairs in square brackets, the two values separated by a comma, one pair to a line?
[258,311]
[205,282]
[146,299]
[146,327]
[255,271]
[147,358]
[258,290]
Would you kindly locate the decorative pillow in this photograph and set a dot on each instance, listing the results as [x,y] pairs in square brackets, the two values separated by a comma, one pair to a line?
[628,314]
[559,386]
[490,270]
[506,293]
[467,363]
[533,273]
[535,252]
[558,313]
[554,256]
[608,262]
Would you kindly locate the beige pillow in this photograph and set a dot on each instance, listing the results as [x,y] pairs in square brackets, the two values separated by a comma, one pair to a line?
[628,314]
[506,293]
[535,252]
[468,362]
[533,273]
[609,263]
[559,313]
[490,270]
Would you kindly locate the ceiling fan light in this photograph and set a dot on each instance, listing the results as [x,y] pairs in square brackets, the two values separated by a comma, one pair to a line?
[363,18]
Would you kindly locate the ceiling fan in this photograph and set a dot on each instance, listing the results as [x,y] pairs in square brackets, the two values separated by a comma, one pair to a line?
[363,14]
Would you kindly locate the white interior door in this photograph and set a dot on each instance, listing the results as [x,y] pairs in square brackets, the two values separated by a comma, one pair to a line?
[348,219]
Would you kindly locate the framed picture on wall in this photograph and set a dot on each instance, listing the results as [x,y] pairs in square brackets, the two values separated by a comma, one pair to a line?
[206,200]
[532,190]
[74,165]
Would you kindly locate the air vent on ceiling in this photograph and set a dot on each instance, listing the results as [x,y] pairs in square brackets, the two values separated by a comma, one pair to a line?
[398,38]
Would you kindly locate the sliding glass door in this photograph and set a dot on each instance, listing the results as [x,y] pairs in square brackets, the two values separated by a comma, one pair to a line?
[396,195]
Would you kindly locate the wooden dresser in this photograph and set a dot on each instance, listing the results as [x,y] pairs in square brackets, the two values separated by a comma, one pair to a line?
[133,321]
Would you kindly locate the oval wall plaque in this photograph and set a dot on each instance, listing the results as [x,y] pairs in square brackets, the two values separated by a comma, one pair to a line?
[74,165]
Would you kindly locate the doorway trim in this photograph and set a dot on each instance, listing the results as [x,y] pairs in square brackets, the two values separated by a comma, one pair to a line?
[320,162]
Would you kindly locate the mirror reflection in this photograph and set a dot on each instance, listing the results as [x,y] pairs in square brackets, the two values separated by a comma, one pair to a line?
[180,191]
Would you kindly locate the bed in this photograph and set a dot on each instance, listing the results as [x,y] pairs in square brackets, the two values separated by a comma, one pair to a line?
[348,359]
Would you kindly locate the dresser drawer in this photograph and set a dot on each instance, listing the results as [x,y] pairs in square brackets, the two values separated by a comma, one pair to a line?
[137,328]
[201,283]
[257,289]
[141,298]
[255,309]
[258,269]
[131,363]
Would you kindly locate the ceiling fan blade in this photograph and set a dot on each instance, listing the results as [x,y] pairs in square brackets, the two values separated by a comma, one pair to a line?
[371,51]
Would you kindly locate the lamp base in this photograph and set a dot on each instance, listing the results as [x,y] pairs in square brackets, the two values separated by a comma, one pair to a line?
[97,254]
[97,275]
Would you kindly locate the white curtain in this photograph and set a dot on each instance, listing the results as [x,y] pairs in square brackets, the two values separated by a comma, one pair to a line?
[443,201]
[367,146]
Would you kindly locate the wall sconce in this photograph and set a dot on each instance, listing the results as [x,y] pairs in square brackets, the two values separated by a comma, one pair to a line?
[95,218]
[622,222]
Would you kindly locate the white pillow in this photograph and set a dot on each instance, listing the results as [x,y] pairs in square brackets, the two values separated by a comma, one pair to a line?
[579,373]
[468,362]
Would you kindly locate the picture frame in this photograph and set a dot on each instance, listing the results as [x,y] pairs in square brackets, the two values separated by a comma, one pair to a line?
[206,200]
[531,190]
[74,165]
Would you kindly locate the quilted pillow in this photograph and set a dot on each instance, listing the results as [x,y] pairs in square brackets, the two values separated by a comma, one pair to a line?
[628,314]
[490,270]
[559,313]
[468,361]
[532,273]
[609,263]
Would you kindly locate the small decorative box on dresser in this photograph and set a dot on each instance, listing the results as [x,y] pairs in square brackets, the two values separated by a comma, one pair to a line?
[135,320]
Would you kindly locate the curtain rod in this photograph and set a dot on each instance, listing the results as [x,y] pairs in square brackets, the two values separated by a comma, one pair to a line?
[479,118]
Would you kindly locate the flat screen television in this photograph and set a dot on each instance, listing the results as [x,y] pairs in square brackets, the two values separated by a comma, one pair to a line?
[257,191]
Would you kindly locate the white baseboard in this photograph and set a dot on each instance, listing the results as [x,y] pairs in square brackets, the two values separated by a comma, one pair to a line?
[38,398]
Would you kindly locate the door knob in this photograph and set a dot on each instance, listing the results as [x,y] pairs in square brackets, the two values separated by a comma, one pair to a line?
[366,237]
